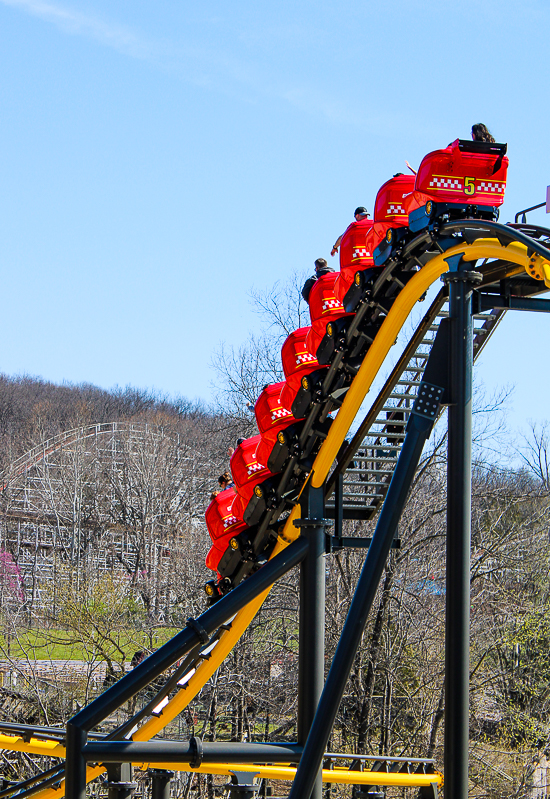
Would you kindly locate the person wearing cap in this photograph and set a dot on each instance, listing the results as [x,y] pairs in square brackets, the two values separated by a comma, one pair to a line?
[359,214]
[321,268]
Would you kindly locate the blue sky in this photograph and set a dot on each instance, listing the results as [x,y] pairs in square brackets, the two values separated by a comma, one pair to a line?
[158,159]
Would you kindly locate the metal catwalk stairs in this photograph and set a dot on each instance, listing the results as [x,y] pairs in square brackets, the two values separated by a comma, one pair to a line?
[370,459]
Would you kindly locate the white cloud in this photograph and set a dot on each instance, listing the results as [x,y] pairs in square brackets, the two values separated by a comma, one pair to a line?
[116,36]
[207,67]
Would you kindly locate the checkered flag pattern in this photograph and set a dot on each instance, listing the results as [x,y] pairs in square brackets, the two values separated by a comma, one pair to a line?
[279,413]
[445,182]
[361,252]
[251,468]
[395,208]
[332,302]
[304,357]
[491,187]
[229,521]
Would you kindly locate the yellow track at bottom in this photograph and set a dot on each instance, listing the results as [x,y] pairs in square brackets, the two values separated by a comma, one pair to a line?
[340,775]
[514,253]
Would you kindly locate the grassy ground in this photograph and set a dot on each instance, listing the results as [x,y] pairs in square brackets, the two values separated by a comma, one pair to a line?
[46,644]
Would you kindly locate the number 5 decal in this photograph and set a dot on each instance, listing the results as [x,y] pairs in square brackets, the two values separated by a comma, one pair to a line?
[469,185]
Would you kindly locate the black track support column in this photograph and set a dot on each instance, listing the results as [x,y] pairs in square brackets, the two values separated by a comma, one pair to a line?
[459,508]
[242,785]
[160,783]
[312,617]
[120,782]
[75,763]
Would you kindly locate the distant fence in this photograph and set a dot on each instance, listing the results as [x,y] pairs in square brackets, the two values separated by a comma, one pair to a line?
[18,671]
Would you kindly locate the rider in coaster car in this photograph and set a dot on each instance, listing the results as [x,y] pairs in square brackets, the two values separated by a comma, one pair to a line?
[480,132]
[359,214]
[321,268]
[225,480]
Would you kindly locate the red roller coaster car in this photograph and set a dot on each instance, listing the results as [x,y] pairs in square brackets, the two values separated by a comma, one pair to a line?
[247,472]
[355,256]
[222,524]
[324,308]
[394,202]
[277,425]
[466,179]
[299,363]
